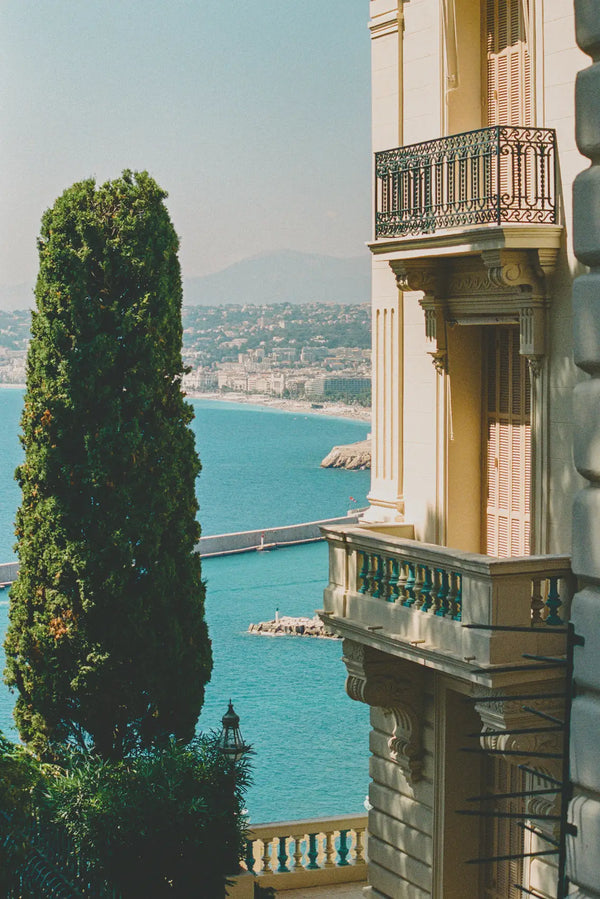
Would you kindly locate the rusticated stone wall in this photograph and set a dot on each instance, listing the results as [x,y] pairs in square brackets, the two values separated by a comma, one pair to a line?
[583,865]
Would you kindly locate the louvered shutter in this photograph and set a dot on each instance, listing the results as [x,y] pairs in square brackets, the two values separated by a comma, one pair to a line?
[508,450]
[504,836]
[509,76]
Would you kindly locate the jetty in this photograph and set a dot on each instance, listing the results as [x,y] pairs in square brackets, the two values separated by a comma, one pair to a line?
[263,539]
[270,538]
[288,626]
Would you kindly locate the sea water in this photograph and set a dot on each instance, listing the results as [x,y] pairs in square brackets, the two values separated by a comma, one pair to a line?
[260,469]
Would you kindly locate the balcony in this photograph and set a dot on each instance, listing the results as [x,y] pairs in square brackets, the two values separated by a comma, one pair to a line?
[472,221]
[498,175]
[420,602]
[302,856]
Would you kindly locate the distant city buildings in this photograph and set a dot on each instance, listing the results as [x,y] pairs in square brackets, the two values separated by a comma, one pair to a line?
[284,350]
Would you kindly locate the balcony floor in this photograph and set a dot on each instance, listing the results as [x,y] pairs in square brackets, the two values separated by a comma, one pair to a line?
[343,890]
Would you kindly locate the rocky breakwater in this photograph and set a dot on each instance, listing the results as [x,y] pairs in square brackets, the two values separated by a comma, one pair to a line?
[353,456]
[287,626]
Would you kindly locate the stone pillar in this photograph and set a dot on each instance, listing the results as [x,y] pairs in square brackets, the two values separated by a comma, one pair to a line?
[583,859]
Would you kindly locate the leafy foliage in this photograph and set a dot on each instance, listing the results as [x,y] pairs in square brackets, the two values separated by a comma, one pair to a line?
[165,822]
[107,643]
[20,778]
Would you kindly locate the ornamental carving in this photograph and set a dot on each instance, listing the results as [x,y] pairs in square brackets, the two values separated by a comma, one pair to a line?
[491,286]
[378,680]
[538,743]
[419,275]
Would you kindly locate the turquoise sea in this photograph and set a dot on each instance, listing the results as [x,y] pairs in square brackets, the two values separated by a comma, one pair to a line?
[260,468]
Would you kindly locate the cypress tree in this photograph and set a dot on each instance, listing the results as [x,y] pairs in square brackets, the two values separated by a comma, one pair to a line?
[107,644]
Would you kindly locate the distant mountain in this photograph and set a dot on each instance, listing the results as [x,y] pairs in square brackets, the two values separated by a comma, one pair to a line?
[283,277]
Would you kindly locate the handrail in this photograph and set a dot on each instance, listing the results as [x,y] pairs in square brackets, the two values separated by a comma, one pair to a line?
[289,854]
[497,175]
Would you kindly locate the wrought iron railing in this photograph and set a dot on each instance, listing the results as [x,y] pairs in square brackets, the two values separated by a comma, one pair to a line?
[495,175]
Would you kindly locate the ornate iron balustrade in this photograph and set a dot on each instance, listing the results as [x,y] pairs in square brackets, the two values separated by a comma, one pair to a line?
[495,175]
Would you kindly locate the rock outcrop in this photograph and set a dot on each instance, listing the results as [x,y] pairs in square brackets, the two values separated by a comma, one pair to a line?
[285,626]
[353,456]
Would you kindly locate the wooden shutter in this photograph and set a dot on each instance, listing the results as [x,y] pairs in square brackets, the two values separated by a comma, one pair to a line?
[508,449]
[509,73]
[504,836]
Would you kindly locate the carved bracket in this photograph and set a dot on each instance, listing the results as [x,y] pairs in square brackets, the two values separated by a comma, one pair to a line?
[492,285]
[379,680]
[430,277]
[511,717]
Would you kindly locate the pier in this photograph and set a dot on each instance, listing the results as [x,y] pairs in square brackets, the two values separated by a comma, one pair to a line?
[259,540]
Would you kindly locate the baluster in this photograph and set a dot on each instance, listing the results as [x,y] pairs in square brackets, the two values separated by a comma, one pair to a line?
[329,850]
[282,856]
[393,581]
[418,588]
[359,857]
[378,577]
[386,589]
[537,603]
[402,576]
[313,851]
[409,586]
[553,603]
[443,605]
[266,857]
[456,591]
[249,855]
[364,574]
[298,853]
[426,589]
[343,849]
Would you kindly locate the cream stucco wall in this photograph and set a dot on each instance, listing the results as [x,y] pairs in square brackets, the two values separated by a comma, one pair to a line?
[421,91]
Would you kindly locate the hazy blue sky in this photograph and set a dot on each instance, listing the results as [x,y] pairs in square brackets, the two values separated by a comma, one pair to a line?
[253,115]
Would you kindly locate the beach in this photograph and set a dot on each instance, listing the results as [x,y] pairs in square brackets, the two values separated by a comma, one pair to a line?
[300,407]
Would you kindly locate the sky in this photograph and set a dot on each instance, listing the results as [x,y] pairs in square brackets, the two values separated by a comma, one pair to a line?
[253,115]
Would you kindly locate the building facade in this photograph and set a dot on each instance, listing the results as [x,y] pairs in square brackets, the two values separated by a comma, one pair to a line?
[453,594]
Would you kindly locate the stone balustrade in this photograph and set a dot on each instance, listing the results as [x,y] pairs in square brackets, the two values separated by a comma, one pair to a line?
[292,854]
[430,597]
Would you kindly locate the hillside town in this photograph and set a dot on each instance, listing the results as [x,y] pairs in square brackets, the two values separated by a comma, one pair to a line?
[312,351]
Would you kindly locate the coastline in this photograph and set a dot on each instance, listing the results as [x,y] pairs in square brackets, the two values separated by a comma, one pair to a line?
[303,407]
[299,407]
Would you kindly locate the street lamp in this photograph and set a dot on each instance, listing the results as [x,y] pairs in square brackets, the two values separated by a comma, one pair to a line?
[230,741]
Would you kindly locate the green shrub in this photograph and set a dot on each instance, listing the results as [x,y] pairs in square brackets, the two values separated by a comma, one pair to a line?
[166,822]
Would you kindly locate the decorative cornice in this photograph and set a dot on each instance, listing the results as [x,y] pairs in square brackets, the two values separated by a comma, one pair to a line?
[395,686]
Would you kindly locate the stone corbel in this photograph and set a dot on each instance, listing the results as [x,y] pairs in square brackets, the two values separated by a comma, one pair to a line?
[510,716]
[525,273]
[378,680]
[430,278]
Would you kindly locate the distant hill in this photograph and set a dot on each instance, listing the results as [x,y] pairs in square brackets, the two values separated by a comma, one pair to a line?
[283,277]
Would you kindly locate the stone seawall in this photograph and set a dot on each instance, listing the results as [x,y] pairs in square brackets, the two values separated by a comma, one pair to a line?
[269,538]
[240,541]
